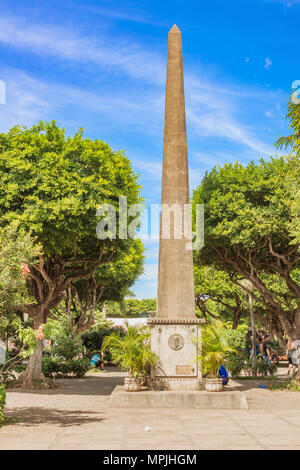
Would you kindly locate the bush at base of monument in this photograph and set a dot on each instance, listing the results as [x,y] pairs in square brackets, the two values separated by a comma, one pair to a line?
[215,347]
[133,354]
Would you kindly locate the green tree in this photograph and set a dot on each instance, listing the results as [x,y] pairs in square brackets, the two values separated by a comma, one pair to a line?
[27,341]
[139,308]
[109,283]
[248,214]
[53,184]
[292,142]
[17,249]
[217,296]
[131,308]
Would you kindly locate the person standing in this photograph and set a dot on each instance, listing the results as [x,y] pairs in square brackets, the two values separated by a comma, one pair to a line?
[260,347]
[266,348]
[267,352]
[289,354]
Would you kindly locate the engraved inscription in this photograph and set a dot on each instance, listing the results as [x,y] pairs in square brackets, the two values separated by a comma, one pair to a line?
[176,342]
[186,370]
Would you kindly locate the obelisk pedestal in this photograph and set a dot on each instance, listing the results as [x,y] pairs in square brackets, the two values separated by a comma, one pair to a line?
[175,328]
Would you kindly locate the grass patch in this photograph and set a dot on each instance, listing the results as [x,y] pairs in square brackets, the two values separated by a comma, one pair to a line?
[8,421]
[285,385]
[254,377]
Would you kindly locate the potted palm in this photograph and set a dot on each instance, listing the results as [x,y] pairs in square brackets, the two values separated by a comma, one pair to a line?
[133,354]
[215,347]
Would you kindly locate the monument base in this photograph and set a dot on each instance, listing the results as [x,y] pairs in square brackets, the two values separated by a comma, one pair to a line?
[227,399]
[177,343]
[175,383]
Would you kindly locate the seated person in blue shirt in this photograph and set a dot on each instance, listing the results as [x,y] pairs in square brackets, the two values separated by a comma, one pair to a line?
[97,361]
[224,375]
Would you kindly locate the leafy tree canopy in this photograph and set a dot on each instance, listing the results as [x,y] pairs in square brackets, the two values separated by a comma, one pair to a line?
[53,185]
[17,249]
[250,230]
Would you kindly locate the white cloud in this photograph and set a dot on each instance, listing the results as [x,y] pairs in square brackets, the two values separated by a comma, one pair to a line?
[150,167]
[55,41]
[211,106]
[117,14]
[268,63]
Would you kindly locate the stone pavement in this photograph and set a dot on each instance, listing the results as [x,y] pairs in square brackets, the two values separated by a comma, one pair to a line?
[76,416]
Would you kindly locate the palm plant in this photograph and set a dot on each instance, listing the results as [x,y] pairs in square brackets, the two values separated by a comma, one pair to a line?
[131,352]
[215,347]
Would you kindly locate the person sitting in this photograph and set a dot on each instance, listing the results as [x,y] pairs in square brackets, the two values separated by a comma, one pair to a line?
[224,375]
[274,356]
[97,361]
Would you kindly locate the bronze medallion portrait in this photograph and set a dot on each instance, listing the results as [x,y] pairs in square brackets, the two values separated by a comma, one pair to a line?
[176,342]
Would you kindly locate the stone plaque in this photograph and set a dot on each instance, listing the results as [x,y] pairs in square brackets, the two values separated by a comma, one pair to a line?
[186,370]
[176,342]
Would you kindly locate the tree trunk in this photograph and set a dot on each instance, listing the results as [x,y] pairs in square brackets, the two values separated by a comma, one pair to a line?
[236,318]
[281,340]
[34,372]
[253,333]
[298,371]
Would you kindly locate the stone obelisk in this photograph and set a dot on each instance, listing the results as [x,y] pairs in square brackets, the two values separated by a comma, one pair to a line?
[175,326]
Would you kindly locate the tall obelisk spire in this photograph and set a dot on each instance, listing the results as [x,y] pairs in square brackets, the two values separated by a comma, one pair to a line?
[175,299]
[175,327]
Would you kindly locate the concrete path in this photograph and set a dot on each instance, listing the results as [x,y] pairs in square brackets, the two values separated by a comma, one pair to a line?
[76,416]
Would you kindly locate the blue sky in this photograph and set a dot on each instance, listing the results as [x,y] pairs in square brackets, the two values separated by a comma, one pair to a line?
[101,65]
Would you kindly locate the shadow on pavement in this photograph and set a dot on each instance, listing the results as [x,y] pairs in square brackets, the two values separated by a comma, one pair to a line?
[99,385]
[260,384]
[38,415]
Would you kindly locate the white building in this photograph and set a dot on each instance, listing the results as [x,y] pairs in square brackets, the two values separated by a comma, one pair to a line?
[141,321]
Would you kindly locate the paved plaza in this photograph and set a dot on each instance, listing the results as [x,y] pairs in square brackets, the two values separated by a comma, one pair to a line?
[76,416]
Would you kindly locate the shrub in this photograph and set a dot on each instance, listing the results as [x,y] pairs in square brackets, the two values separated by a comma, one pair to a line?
[235,364]
[263,367]
[93,340]
[2,402]
[237,337]
[132,351]
[215,348]
[67,347]
[52,366]
[293,385]
[64,343]
[79,367]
